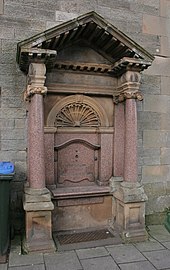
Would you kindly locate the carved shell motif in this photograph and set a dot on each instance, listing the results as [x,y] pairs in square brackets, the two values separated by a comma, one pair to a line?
[77,115]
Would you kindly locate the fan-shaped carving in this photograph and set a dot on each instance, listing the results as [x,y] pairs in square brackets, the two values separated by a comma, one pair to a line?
[77,115]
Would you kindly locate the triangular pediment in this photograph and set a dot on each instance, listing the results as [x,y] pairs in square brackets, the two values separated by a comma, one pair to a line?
[91,29]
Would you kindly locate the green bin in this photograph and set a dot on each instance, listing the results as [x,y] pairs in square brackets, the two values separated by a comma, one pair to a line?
[5,179]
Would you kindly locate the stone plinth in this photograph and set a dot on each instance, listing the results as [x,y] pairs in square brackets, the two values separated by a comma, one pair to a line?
[130,211]
[38,207]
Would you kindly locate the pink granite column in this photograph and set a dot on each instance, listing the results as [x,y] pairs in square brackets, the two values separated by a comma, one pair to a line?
[34,94]
[130,82]
[119,138]
[49,157]
[36,143]
[130,158]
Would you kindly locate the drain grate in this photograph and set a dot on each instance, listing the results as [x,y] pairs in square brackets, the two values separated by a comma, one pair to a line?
[79,237]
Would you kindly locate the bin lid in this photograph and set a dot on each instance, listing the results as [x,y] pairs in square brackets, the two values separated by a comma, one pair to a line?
[6,167]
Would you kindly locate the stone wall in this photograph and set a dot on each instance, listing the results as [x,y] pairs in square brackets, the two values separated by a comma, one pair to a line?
[145,21]
[154,118]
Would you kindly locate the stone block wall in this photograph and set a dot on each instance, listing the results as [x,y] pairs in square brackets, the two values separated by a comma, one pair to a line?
[155,131]
[145,21]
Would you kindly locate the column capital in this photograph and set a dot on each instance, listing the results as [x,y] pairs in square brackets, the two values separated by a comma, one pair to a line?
[35,80]
[128,87]
[128,95]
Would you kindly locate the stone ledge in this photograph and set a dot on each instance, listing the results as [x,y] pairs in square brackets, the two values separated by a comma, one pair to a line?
[38,206]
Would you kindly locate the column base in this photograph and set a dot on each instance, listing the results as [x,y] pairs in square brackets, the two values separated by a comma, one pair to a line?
[3,258]
[38,206]
[130,211]
[134,235]
[38,245]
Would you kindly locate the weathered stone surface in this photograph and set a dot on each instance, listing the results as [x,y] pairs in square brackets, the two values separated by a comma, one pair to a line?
[137,266]
[165,82]
[15,134]
[150,84]
[125,254]
[97,263]
[155,173]
[155,189]
[1,6]
[165,46]
[151,43]
[20,170]
[6,33]
[155,138]
[91,253]
[160,259]
[165,156]
[157,204]
[13,113]
[120,4]
[64,16]
[12,102]
[149,156]
[4,124]
[159,233]
[149,246]
[55,261]
[13,145]
[157,103]
[29,267]
[154,25]
[149,120]
[165,121]
[159,67]
[22,260]
[50,24]
[31,3]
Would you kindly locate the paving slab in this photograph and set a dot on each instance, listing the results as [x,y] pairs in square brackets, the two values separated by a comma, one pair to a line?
[159,233]
[160,259]
[125,253]
[30,267]
[145,265]
[101,263]
[149,246]
[3,266]
[23,260]
[91,252]
[62,261]
[166,245]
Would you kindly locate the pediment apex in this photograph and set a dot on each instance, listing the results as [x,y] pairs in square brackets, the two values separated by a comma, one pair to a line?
[98,34]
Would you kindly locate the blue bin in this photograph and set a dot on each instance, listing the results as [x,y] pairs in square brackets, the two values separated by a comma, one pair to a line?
[6,167]
[6,175]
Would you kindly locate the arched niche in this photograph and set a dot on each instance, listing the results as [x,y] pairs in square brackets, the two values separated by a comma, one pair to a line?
[82,109]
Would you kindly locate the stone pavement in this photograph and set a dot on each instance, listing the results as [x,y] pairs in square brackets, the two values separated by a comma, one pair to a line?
[149,255]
